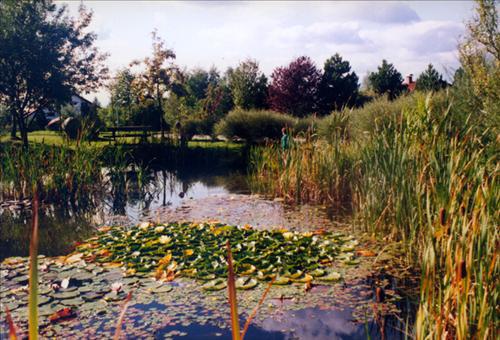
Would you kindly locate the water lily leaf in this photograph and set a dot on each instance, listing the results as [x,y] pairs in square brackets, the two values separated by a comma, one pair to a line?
[333,276]
[304,279]
[73,302]
[318,272]
[62,314]
[162,288]
[281,280]
[61,295]
[245,283]
[216,284]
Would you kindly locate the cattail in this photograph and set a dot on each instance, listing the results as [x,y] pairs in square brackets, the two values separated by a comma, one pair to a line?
[380,294]
[442,217]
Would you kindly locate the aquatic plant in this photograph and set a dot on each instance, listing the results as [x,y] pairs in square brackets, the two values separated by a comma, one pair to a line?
[308,171]
[62,173]
[424,176]
[197,250]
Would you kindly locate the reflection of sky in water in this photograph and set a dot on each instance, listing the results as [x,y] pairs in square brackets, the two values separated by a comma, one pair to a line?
[166,190]
[316,324]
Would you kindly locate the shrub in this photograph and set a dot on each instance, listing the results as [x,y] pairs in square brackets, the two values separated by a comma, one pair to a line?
[334,126]
[307,125]
[377,113]
[254,125]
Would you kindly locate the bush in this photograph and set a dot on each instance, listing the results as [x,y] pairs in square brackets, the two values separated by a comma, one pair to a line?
[334,126]
[307,125]
[377,113]
[254,125]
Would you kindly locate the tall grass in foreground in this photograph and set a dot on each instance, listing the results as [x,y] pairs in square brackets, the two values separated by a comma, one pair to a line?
[423,177]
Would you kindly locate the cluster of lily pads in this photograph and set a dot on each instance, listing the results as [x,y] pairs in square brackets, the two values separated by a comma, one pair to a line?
[198,250]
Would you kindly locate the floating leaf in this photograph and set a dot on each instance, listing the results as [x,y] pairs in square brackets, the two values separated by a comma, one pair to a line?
[62,314]
[217,284]
[334,276]
[245,283]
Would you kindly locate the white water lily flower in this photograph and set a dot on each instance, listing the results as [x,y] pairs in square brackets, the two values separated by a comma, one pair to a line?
[164,239]
[159,229]
[65,283]
[116,287]
[136,253]
[288,235]
[144,225]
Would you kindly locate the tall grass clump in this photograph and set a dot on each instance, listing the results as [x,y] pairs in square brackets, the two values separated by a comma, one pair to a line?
[426,178]
[307,171]
[425,174]
[63,174]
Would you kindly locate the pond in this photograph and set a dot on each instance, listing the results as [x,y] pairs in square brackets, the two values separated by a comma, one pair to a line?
[210,190]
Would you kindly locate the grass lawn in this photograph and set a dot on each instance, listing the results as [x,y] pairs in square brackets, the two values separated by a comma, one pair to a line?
[55,138]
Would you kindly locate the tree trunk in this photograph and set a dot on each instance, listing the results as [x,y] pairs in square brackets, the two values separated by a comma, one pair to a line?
[22,129]
[13,130]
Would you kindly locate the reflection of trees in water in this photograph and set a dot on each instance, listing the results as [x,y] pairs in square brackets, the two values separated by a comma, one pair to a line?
[60,227]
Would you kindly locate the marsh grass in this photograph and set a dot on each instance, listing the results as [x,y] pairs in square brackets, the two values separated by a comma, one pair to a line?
[62,173]
[423,175]
[308,171]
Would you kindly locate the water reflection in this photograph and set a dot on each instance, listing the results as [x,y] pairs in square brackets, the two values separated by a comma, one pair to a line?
[130,194]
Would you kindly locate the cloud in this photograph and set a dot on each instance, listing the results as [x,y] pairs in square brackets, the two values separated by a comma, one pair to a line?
[421,37]
[316,33]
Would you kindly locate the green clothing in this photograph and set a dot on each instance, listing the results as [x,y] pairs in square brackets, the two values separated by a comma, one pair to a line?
[285,141]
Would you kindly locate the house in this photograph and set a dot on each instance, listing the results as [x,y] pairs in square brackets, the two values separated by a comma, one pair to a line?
[51,114]
[409,83]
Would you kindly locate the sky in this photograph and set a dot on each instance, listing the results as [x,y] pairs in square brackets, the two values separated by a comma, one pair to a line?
[409,34]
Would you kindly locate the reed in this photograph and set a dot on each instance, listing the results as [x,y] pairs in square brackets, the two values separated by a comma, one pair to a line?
[423,175]
[308,171]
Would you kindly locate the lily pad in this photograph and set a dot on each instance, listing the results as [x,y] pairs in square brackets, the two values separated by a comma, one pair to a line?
[245,283]
[332,277]
[216,284]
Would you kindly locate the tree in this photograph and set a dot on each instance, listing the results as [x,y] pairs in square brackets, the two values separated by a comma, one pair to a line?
[294,88]
[338,86]
[122,97]
[157,79]
[387,80]
[479,53]
[45,57]
[248,85]
[430,80]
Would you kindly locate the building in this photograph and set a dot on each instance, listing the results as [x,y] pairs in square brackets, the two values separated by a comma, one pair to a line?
[409,83]
[51,114]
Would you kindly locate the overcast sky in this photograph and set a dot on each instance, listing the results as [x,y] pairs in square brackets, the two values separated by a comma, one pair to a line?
[408,34]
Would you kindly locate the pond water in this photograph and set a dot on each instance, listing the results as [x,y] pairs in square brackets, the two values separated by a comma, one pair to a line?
[207,191]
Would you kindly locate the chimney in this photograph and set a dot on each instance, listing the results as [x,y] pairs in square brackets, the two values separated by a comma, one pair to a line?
[409,78]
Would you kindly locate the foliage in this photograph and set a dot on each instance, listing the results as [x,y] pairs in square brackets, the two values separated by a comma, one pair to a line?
[157,78]
[294,88]
[423,176]
[64,174]
[339,85]
[304,257]
[248,86]
[313,171]
[480,59]
[387,80]
[254,125]
[364,121]
[335,126]
[46,56]
[430,80]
